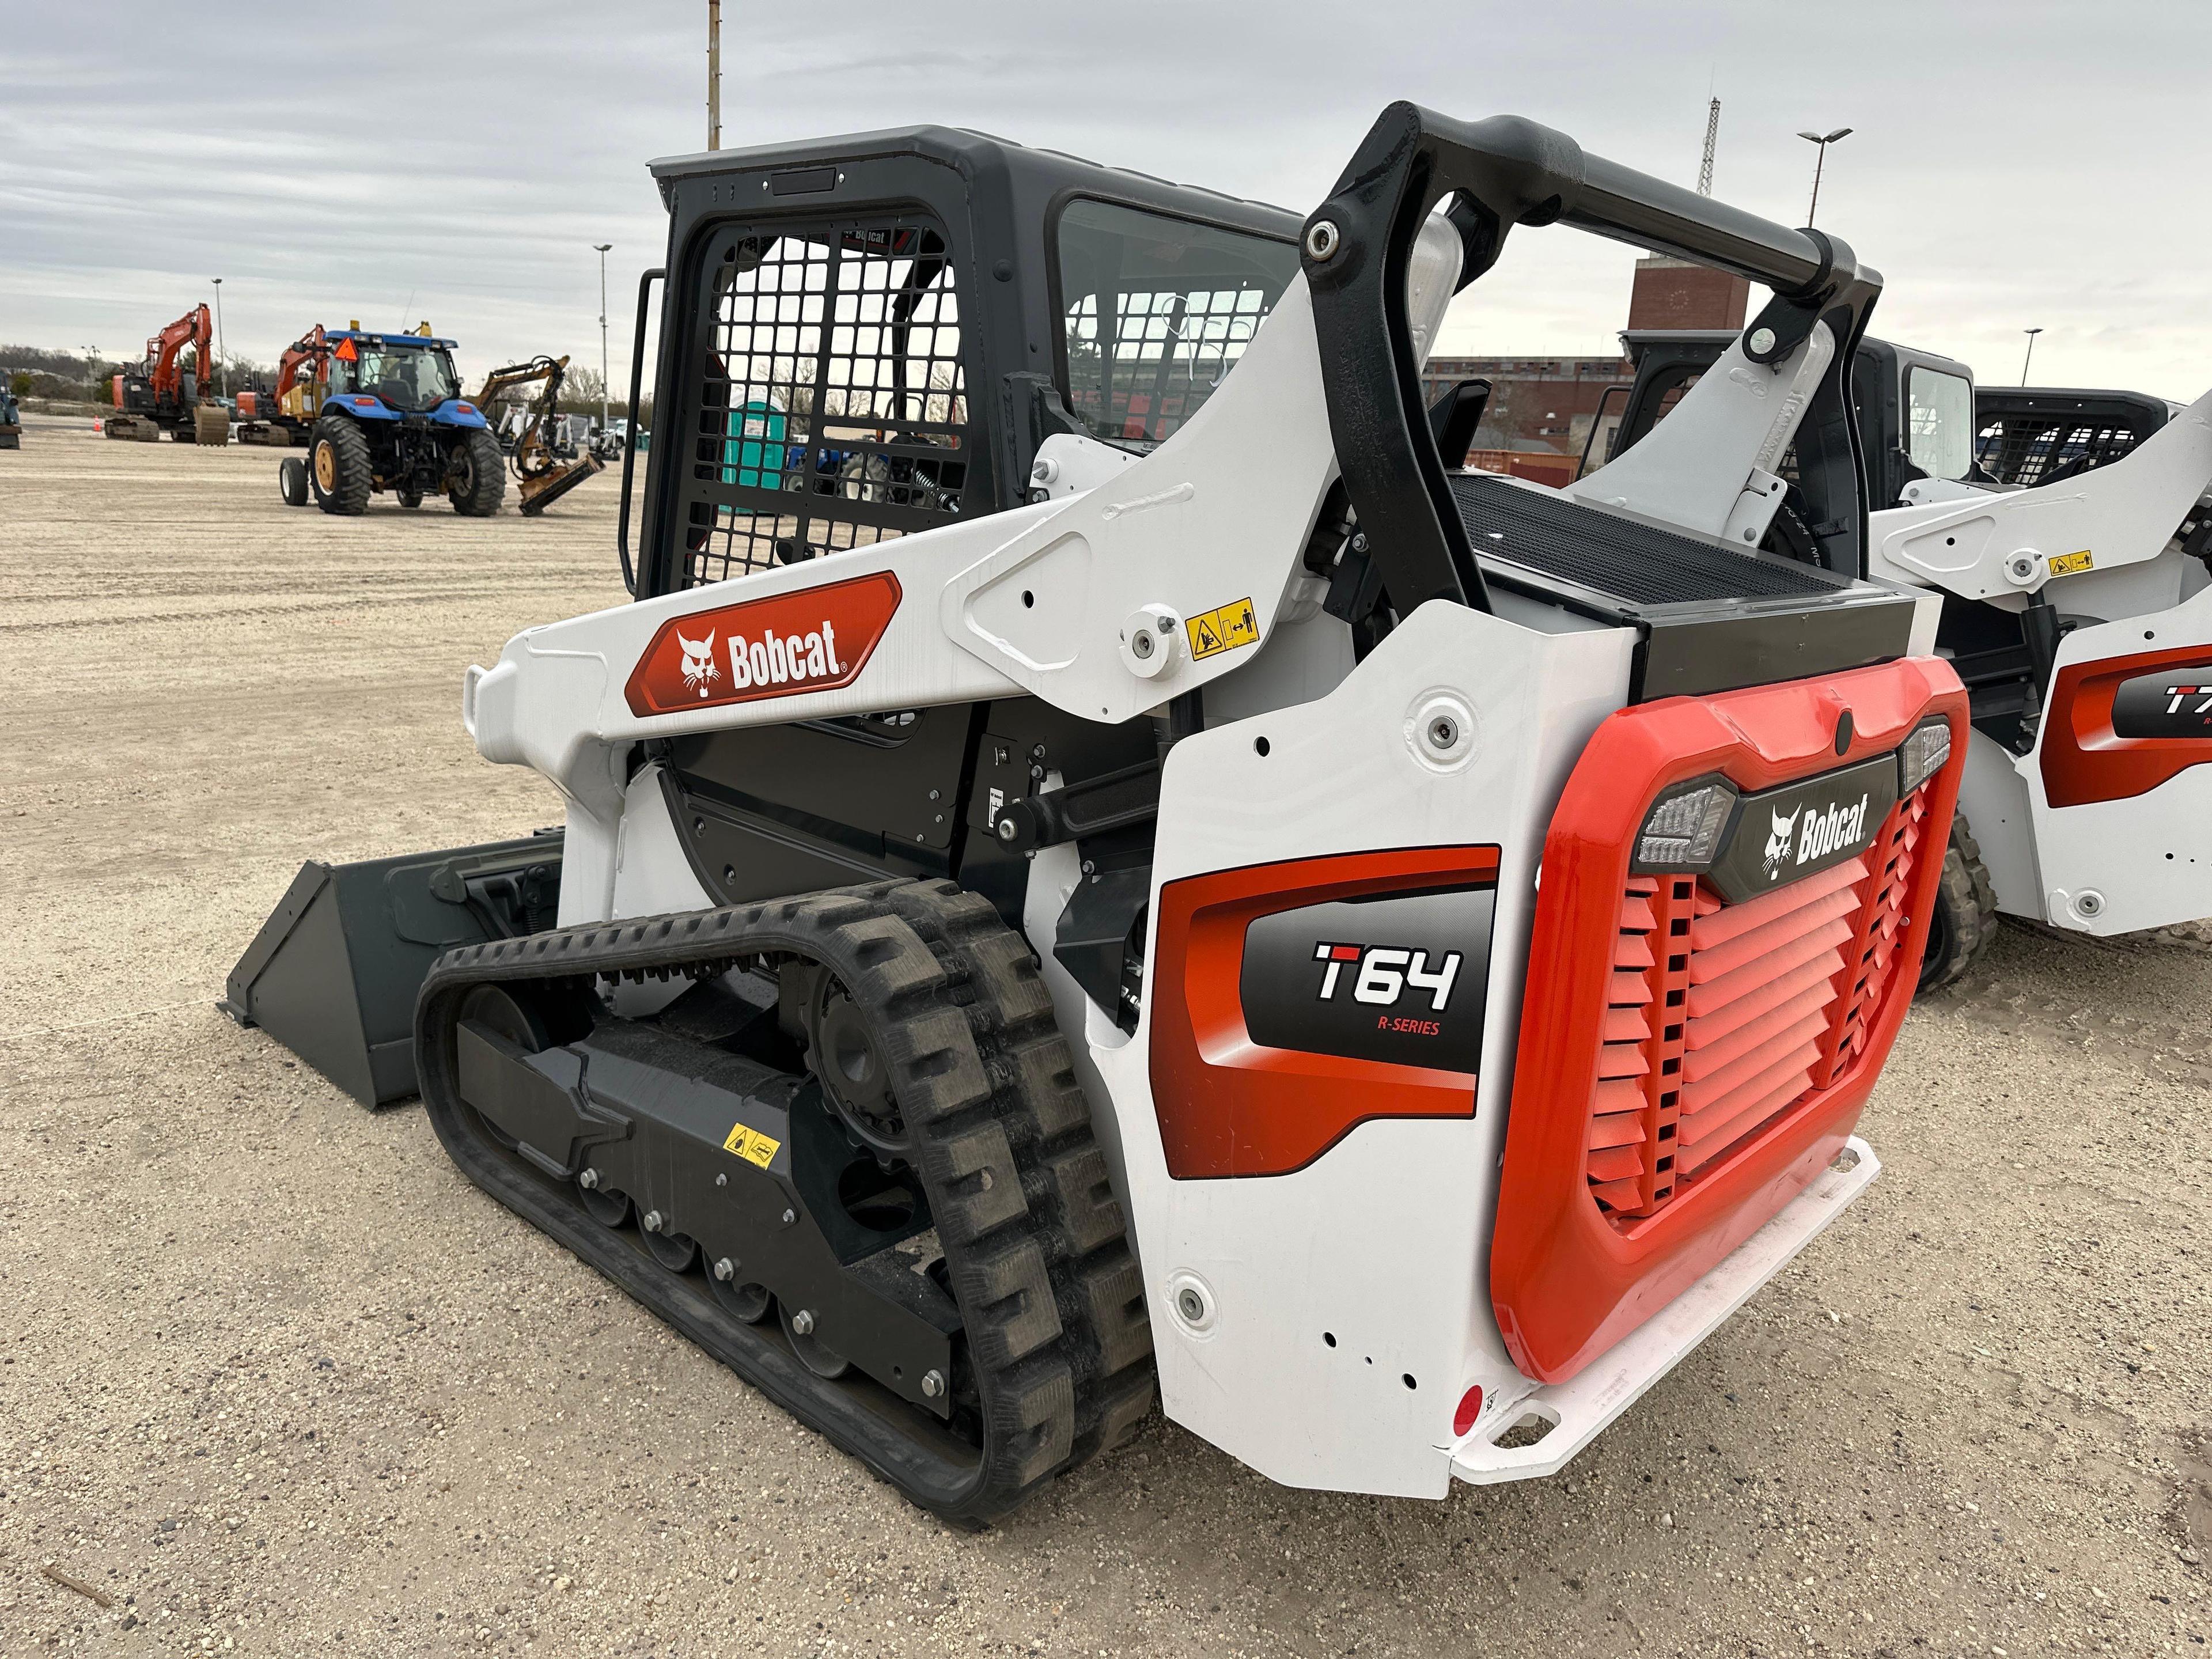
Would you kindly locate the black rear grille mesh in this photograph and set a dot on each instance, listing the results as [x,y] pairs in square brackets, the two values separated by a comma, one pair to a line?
[1606,554]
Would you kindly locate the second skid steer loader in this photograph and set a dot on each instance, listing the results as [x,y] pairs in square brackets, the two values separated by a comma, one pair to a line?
[2069,535]
[1100,854]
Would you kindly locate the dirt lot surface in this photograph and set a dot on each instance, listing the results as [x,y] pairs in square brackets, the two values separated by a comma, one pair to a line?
[274,1379]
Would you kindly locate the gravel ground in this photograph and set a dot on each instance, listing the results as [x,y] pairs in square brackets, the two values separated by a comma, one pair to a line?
[274,1379]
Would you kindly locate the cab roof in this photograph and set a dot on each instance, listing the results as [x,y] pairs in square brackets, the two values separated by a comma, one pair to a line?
[370,336]
[973,152]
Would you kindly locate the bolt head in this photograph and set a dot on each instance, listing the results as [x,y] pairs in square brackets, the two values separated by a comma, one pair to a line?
[932,1384]
[1443,731]
[1322,239]
[803,1321]
[721,1181]
[790,1216]
[726,1270]
[589,1180]
[1191,1304]
[1761,341]
[1142,646]
[1008,830]
[652,1222]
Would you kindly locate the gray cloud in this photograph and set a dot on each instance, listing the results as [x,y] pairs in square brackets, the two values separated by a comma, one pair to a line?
[2012,165]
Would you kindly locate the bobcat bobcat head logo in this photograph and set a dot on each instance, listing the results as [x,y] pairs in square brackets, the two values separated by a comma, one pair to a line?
[699,670]
[1779,842]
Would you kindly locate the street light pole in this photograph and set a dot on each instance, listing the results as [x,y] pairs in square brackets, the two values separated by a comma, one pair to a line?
[222,351]
[714,74]
[1823,140]
[602,248]
[2030,357]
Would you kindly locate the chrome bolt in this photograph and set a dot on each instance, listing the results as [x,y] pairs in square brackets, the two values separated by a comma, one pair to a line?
[588,1180]
[934,795]
[1761,341]
[1008,830]
[803,1321]
[652,1222]
[1166,626]
[1142,646]
[1190,1305]
[790,1216]
[1444,731]
[726,1270]
[721,1181]
[932,1384]
[1323,239]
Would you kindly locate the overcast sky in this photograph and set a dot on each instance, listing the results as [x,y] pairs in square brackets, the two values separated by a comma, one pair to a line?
[2014,165]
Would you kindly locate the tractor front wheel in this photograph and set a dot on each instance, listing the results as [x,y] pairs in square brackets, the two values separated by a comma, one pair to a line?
[292,480]
[476,474]
[338,466]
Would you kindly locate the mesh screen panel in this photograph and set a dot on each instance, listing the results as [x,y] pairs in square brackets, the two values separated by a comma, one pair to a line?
[833,407]
[2029,449]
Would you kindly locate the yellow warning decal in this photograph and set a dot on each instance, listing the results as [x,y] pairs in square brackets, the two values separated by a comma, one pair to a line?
[2072,564]
[1225,630]
[752,1145]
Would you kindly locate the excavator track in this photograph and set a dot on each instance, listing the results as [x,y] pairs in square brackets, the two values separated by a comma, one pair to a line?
[542,1097]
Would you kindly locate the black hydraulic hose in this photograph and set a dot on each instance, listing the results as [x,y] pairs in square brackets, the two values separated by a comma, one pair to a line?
[629,443]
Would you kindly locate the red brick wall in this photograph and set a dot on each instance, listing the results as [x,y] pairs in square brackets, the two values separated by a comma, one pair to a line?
[1670,294]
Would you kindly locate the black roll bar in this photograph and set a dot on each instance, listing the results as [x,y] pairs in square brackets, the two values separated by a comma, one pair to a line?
[1494,174]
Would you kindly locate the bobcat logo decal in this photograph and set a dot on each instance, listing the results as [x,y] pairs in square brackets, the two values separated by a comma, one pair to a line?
[1778,842]
[699,670]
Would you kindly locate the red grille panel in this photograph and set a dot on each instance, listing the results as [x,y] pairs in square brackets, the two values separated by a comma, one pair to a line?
[1720,1017]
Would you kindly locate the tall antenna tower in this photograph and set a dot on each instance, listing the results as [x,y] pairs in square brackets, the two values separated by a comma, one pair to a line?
[1712,137]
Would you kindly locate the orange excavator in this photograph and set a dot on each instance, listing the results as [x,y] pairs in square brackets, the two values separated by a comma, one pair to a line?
[160,394]
[281,419]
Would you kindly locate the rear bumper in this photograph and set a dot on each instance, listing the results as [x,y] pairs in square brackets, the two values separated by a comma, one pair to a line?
[1581,1408]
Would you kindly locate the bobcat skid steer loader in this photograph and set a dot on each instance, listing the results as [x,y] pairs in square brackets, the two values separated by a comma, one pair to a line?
[2068,534]
[1098,848]
[2078,612]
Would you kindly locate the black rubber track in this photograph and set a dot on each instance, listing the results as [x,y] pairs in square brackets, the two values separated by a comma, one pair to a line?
[1056,1337]
[1965,918]
[352,473]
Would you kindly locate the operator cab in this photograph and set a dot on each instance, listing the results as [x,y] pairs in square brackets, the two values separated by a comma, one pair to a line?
[834,380]
[409,372]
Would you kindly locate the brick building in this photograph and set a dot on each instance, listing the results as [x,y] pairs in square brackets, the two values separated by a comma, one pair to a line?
[1545,406]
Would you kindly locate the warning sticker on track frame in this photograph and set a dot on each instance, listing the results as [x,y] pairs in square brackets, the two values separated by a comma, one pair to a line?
[2071,564]
[1228,628]
[752,1145]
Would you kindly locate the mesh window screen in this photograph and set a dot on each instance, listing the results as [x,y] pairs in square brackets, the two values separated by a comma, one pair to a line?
[1155,312]
[2030,449]
[833,412]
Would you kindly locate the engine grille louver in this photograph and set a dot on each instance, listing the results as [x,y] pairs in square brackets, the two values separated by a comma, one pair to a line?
[1720,1017]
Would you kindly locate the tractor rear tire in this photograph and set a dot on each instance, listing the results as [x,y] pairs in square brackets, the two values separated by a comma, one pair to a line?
[292,481]
[338,463]
[1965,918]
[476,474]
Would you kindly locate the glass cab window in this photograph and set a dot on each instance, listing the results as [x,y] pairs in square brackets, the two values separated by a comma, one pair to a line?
[1938,421]
[1154,312]
[408,378]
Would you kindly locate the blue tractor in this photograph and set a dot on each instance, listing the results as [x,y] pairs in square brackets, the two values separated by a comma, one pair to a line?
[389,415]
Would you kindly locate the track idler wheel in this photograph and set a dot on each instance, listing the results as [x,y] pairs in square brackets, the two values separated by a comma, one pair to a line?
[817,1355]
[737,1296]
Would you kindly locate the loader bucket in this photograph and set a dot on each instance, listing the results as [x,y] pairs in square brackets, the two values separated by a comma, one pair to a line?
[333,972]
